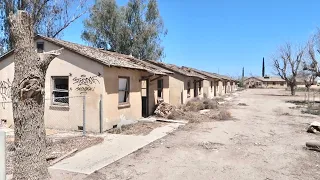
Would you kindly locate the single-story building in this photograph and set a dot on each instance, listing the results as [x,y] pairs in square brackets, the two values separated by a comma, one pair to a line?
[265,82]
[176,88]
[111,79]
[210,84]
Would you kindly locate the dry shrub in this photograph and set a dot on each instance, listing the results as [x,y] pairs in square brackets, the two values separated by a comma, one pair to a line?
[223,115]
[197,104]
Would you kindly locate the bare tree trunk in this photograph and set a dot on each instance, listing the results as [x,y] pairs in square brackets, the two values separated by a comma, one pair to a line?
[28,102]
[293,90]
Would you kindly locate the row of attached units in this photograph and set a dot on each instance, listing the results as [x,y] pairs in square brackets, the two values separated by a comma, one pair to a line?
[105,88]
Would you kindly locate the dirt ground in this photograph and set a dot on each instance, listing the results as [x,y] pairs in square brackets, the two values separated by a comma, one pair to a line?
[139,128]
[57,146]
[264,140]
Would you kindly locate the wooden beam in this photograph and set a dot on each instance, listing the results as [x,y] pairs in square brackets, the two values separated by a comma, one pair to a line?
[156,78]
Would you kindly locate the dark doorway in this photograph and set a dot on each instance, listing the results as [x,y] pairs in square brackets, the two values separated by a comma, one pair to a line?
[215,88]
[225,87]
[195,90]
[144,97]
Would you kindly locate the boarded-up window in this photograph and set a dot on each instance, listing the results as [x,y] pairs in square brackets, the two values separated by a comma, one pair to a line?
[124,89]
[160,88]
[60,90]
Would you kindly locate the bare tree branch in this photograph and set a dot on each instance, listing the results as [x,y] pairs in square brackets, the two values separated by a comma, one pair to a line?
[287,64]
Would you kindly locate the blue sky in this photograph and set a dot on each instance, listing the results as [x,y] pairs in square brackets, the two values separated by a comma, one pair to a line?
[225,35]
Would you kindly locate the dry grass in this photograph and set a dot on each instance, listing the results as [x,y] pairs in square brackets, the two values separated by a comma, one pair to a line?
[223,115]
[139,128]
[197,104]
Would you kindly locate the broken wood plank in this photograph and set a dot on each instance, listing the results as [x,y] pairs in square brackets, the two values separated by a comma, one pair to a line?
[62,157]
[313,145]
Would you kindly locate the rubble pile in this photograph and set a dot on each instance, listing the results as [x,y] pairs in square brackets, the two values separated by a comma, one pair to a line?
[164,109]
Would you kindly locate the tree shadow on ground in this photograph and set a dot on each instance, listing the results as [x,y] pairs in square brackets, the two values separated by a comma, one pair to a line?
[279,95]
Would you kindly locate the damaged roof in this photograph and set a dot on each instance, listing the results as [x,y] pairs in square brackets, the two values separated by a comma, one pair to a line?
[107,57]
[177,69]
[204,73]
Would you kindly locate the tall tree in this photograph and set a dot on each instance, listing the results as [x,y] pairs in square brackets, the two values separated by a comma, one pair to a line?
[136,29]
[287,64]
[49,17]
[263,68]
[28,100]
[242,72]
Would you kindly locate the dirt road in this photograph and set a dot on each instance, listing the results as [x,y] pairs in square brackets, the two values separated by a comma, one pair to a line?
[265,141]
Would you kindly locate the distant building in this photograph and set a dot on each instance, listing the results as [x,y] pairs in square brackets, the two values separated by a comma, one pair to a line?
[265,82]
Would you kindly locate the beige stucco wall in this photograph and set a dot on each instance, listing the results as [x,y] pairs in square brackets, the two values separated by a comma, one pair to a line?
[175,90]
[113,112]
[221,88]
[6,78]
[103,81]
[153,89]
[207,89]
[75,67]
[274,85]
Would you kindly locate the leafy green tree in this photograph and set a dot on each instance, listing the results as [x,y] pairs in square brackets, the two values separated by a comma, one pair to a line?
[136,29]
[49,17]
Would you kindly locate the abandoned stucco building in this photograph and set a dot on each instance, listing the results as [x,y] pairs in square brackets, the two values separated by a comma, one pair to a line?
[211,86]
[115,86]
[83,70]
[178,87]
[265,82]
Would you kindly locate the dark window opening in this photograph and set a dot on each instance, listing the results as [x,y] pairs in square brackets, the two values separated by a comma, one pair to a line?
[199,87]
[60,90]
[160,88]
[274,83]
[40,47]
[211,84]
[124,88]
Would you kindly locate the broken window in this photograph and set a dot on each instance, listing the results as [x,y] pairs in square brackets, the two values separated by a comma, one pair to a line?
[40,47]
[160,88]
[188,88]
[60,90]
[124,89]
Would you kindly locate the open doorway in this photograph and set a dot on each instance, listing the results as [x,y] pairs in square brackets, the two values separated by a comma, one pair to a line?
[145,97]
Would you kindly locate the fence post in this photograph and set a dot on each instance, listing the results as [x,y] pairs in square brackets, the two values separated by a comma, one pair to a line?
[84,116]
[101,113]
[2,155]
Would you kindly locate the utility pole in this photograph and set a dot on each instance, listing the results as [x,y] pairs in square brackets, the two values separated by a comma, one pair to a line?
[263,68]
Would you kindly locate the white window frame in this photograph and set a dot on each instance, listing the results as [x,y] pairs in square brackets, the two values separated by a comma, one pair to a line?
[126,90]
[59,90]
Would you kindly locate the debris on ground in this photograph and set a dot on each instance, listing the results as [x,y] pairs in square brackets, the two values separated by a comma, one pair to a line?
[314,128]
[139,128]
[211,145]
[56,148]
[56,160]
[242,104]
[164,109]
[314,146]
[223,115]
[197,104]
